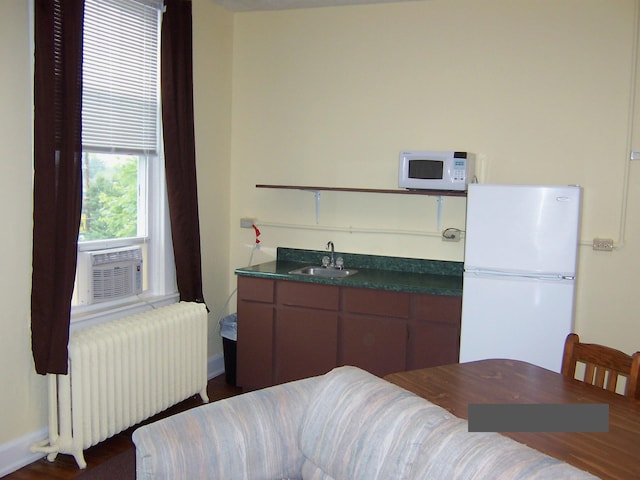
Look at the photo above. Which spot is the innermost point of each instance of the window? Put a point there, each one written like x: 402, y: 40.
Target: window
x: 124, y: 199
x: 113, y: 201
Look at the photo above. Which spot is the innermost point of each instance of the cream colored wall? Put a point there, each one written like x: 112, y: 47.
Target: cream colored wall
x: 23, y: 402
x: 212, y: 48
x: 540, y: 90
x: 318, y: 94
x: 21, y: 405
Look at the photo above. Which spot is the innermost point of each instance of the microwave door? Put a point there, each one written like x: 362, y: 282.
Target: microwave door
x: 426, y: 169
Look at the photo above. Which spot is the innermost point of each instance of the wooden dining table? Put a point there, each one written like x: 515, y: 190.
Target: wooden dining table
x: 614, y: 454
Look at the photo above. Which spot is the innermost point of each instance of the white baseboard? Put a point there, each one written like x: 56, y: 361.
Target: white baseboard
x: 16, y: 453
x: 215, y: 366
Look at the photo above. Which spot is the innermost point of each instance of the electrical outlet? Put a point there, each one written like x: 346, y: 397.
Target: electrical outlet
x: 603, y: 244
x: 247, y: 222
x: 451, y: 235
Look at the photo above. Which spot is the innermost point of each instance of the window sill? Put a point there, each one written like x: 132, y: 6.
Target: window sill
x: 89, y: 315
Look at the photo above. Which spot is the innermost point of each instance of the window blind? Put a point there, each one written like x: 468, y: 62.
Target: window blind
x: 120, y: 100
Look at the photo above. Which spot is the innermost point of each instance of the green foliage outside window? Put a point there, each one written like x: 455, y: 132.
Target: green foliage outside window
x: 110, y: 197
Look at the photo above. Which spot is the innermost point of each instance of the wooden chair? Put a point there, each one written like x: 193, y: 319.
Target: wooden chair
x: 603, y: 365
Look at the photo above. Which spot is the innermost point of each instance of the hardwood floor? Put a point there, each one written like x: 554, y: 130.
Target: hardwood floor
x: 65, y: 467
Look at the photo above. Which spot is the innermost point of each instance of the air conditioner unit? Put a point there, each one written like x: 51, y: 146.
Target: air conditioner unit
x: 104, y: 275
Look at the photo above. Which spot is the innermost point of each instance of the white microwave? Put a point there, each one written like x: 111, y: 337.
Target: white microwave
x: 434, y: 170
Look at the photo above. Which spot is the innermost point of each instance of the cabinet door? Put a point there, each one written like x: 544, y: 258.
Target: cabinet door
x: 255, y: 345
x: 433, y: 344
x: 375, y: 344
x: 254, y: 357
x: 306, y: 330
x: 374, y: 330
x: 434, y: 337
x: 305, y: 342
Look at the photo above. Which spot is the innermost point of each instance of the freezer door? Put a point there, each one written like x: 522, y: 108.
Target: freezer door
x: 522, y: 228
x: 520, y: 318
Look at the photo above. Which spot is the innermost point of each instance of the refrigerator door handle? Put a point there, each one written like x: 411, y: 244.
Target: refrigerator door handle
x: 499, y: 273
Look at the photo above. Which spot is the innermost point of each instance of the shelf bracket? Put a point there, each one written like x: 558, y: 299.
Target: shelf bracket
x: 316, y: 193
x: 440, y: 201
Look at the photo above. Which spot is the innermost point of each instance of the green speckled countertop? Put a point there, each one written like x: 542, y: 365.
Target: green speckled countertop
x: 384, y: 273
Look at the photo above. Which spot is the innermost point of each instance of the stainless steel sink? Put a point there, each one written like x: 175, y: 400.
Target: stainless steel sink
x: 325, y: 272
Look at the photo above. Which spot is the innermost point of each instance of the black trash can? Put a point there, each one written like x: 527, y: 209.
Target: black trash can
x: 229, y: 333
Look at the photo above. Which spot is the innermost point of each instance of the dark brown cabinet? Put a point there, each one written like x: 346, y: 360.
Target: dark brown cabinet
x: 289, y: 330
x: 305, y: 330
x: 257, y: 310
x: 435, y: 331
x: 376, y: 344
x: 375, y: 330
x: 306, y: 342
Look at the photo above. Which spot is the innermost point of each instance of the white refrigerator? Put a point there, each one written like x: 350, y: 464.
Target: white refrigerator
x: 521, y: 246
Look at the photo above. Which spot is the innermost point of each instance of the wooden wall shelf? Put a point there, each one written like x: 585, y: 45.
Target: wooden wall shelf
x: 316, y: 191
x: 437, y: 193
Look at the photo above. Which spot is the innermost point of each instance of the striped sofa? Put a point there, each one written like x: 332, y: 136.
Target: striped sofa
x: 345, y: 425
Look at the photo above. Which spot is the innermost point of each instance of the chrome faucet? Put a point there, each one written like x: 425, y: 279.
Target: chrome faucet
x: 332, y: 261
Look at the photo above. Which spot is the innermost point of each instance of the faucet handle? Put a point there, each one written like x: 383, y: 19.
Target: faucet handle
x: 325, y: 261
x: 340, y: 262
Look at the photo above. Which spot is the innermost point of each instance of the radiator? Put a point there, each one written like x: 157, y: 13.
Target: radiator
x: 125, y: 371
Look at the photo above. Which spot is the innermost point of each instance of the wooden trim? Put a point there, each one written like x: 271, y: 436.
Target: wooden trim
x: 444, y: 193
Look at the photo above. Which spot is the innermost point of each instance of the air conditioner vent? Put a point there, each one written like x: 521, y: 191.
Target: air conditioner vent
x: 116, y: 282
x: 109, y: 274
x: 116, y: 255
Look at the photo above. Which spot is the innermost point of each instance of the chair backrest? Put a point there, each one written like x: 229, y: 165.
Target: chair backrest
x: 603, y: 365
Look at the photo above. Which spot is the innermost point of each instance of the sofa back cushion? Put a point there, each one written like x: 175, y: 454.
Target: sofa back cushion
x: 360, y: 427
x: 253, y: 436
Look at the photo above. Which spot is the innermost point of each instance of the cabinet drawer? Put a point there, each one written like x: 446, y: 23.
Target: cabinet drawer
x: 323, y: 297
x: 438, y: 308
x: 256, y: 289
x: 376, y: 302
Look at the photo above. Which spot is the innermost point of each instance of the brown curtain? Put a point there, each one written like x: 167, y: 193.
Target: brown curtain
x: 57, y: 187
x: 179, y: 146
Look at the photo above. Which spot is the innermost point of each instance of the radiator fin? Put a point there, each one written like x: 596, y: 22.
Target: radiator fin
x: 125, y: 371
